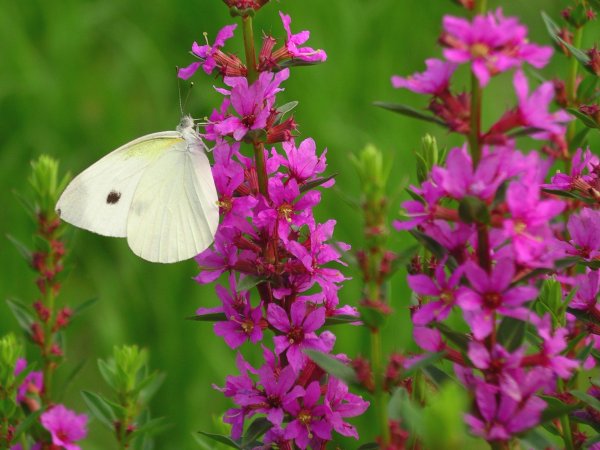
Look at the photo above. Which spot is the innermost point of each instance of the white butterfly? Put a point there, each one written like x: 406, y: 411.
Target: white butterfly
x: 157, y: 191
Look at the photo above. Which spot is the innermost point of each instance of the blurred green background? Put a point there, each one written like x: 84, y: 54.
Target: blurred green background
x: 79, y: 78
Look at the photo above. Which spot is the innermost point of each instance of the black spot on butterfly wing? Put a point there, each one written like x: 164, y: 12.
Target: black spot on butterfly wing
x: 113, y: 197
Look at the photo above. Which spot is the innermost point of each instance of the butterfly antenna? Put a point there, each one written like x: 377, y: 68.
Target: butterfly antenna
x: 187, y: 97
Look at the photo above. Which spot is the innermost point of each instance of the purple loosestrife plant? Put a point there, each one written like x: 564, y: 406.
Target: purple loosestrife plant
x: 268, y: 238
x: 511, y: 256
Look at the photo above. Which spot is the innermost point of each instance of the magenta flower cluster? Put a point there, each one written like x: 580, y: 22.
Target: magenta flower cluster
x: 268, y: 237
x: 500, y: 231
x: 65, y: 426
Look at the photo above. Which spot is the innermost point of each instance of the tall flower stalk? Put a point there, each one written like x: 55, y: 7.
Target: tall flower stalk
x: 499, y: 256
x: 268, y: 238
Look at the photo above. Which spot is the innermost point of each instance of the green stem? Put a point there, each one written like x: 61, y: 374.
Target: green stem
x: 572, y: 93
x: 47, y: 351
x: 565, y: 422
x: 261, y: 170
x: 249, y: 49
x: 475, y: 132
x: 380, y: 403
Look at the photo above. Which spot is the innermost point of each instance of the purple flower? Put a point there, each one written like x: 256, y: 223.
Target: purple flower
x: 491, y: 294
x: 577, y: 179
x: 584, y: 242
x: 252, y: 103
x: 33, y: 382
x: 287, y: 207
x: 302, y: 162
x: 319, y: 253
x: 243, y: 322
x: 500, y: 415
x: 419, y: 212
x: 341, y: 404
x: 278, y: 389
x: 298, y: 331
x: 553, y: 343
x: 492, y: 43
x: 213, y: 262
x: 529, y: 225
x: 533, y: 110
x: 293, y: 41
x: 586, y: 296
x: 65, y: 426
x: 459, y: 179
x: 441, y: 288
x: 433, y: 81
x: 207, y: 53
x: 308, y: 418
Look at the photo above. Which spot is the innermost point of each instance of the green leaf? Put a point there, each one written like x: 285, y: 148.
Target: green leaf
x: 26, y: 424
x: 524, y: 132
x: 556, y: 408
x: 222, y: 439
x: 371, y: 317
x: 429, y: 243
x: 100, y: 408
x: 587, y: 399
x: 248, y: 282
x: 438, y: 376
x: 79, y: 309
x: 316, y: 183
x: 149, y: 386
x: 579, y: 140
x: 536, y: 440
x: 511, y: 333
x: 584, y: 118
x: 410, y: 112
x: 369, y: 446
x: 108, y: 374
x: 23, y: 250
x: 333, y: 366
x: 256, y: 429
x: 554, y: 30
x: 286, y: 108
x: 152, y: 427
x: 22, y: 314
x: 341, y: 320
x: 473, y: 210
x: 461, y: 340
x: 587, y: 87
x: 212, y: 317
x: 403, y: 410
x: 427, y: 361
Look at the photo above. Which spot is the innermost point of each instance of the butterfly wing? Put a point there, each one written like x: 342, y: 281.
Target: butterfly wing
x: 100, y: 197
x: 174, y: 214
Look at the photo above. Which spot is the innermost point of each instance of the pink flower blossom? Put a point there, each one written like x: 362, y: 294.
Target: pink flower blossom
x: 65, y: 426
x: 433, y: 81
x: 207, y: 53
x: 293, y: 41
x: 490, y: 294
x: 492, y: 44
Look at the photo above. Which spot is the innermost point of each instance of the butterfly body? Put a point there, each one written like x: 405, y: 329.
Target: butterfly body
x: 157, y: 191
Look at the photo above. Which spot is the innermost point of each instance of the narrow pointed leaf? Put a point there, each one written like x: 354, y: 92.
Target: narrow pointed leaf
x: 342, y: 320
x: 222, y: 439
x: 587, y: 399
x: 21, y: 313
x: 23, y: 250
x: 100, y: 408
x: 430, y: 244
x: 333, y: 366
x: 316, y: 183
x: 411, y: 112
x: 584, y: 118
x: 256, y: 429
x: 427, y: 361
x: 214, y: 317
x: 556, y: 408
x: 511, y: 333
